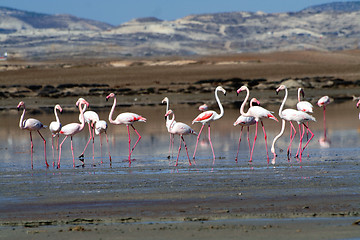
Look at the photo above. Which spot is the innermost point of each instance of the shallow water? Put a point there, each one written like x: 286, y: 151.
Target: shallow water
x: 153, y: 149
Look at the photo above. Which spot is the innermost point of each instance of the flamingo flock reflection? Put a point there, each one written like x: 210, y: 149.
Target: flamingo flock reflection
x: 255, y: 114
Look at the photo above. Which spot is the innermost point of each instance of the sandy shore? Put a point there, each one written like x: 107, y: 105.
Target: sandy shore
x: 312, y: 201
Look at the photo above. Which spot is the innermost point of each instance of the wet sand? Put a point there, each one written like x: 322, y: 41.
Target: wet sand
x: 316, y: 199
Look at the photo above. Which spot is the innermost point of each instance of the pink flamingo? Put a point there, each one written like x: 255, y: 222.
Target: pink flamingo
x: 203, y: 107
x: 73, y: 128
x: 55, y: 127
x: 207, y: 117
x: 323, y: 102
x: 101, y: 127
x: 180, y: 129
x: 90, y: 118
x: 31, y: 124
x: 168, y: 124
x: 126, y: 118
x: 245, y: 122
x: 258, y: 113
x: 292, y: 115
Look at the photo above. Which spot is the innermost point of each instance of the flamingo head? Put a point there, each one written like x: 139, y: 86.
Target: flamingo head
x: 111, y: 95
x: 169, y: 112
x: 300, y: 90
x: 165, y: 100
x: 20, y: 104
x: 254, y: 100
x: 58, y: 107
x: 82, y: 101
x: 219, y: 88
x: 243, y: 88
x: 282, y: 87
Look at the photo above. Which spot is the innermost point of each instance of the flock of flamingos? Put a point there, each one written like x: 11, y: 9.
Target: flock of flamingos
x: 254, y: 115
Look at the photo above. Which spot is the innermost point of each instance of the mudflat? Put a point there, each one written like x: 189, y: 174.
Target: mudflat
x: 317, y: 199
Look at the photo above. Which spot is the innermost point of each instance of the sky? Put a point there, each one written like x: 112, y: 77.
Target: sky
x: 116, y: 12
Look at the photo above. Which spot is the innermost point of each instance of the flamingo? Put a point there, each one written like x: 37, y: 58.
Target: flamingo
x: 101, y: 127
x: 304, y: 106
x: 258, y: 113
x: 73, y: 128
x: 203, y: 107
x: 90, y: 118
x: 126, y: 118
x: 55, y: 127
x: 180, y: 129
x: 245, y: 122
x: 292, y: 115
x: 31, y: 124
x: 323, y: 102
x: 168, y: 125
x: 207, y: 117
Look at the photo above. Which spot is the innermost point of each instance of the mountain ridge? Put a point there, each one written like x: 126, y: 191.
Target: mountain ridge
x: 43, y: 36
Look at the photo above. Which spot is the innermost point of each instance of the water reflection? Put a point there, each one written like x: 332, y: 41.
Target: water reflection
x: 152, y: 150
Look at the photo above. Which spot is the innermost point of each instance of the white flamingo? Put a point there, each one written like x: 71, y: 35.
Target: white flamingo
x: 55, y: 127
x: 127, y: 119
x: 323, y: 102
x: 245, y: 122
x: 180, y: 129
x: 31, y: 124
x: 207, y: 117
x: 258, y: 113
x: 73, y: 128
x: 168, y: 125
x: 292, y: 115
x: 101, y: 127
x: 91, y: 118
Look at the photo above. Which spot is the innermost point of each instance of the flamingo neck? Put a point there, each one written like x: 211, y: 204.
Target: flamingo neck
x: 56, y: 116
x: 167, y: 109
x: 172, y: 120
x: 299, y: 92
x: 277, y: 137
x: 21, y: 123
x: 283, y: 103
x: 81, y: 117
x: 112, y: 111
x: 220, y: 106
x: 243, y: 104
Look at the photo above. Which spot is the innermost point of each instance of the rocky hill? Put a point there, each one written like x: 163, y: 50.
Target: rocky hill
x: 333, y: 26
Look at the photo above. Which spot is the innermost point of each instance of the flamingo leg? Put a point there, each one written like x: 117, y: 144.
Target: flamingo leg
x: 292, y: 128
x: 248, y: 138
x: 107, y: 140
x: 187, y: 153
x: 265, y: 138
x: 93, y: 143
x: 129, y: 144
x: 72, y: 150
x: 52, y: 148
x: 299, y: 152
x: 252, y: 151
x: 178, y: 152
x: 58, y: 164
x: 47, y: 165
x: 312, y: 135
x: 101, y: 148
x: 139, y: 137
x: 31, y: 150
x: 237, y: 154
x: 197, y: 140
x: 82, y: 154
x: 212, y: 149
x: 324, y: 124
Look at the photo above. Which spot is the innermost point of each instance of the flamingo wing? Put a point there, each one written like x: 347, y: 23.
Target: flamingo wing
x: 304, y: 106
x: 129, y: 118
x: 204, y: 117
